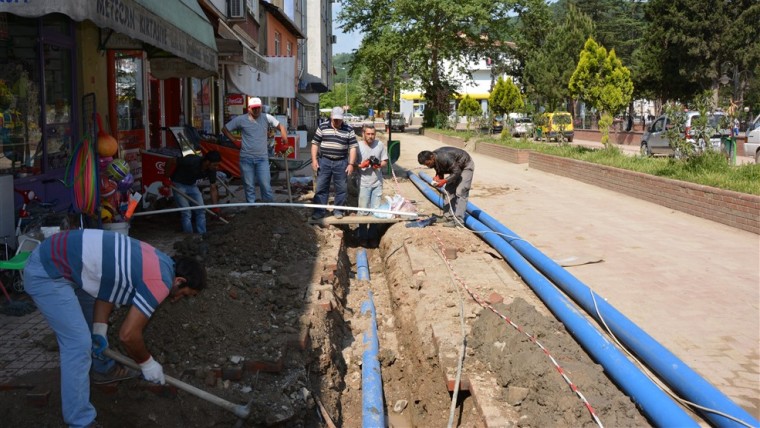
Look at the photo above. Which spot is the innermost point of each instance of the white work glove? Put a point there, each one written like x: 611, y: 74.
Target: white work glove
x: 152, y: 371
x: 99, y: 339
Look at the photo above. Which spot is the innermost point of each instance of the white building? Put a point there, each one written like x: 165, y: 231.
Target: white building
x: 478, y: 86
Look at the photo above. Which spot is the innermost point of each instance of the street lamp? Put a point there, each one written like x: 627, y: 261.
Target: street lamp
x: 391, y: 73
x: 345, y: 106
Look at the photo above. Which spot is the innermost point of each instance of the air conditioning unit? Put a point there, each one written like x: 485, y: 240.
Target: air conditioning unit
x: 333, y: 39
x: 237, y: 9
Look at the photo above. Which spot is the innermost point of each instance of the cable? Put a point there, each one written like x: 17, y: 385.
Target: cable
x: 657, y: 380
x: 460, y: 361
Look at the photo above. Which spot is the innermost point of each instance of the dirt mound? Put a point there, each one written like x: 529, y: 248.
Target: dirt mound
x: 531, y: 382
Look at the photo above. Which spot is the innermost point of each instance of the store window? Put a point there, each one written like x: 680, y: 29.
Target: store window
x: 128, y: 106
x: 200, y: 102
x: 36, y: 134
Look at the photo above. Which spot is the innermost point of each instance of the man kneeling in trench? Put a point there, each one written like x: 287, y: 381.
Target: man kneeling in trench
x: 75, y: 278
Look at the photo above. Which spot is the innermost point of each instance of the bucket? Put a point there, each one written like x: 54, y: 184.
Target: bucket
x: 122, y: 227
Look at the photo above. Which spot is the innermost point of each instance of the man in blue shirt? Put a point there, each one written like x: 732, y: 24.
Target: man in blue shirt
x: 254, y: 148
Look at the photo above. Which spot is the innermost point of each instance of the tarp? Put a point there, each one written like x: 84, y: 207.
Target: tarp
x: 279, y: 81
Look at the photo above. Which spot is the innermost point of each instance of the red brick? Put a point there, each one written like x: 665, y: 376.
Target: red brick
x: 325, y: 304
x: 300, y: 341
x: 233, y: 294
x: 166, y: 391
x: 232, y: 373
x: 495, y: 298
x: 254, y: 366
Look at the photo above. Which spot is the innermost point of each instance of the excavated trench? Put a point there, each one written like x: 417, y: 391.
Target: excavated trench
x: 281, y: 326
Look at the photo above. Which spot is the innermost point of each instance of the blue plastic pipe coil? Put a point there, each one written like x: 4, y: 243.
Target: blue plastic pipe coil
x: 674, y: 372
x: 655, y: 404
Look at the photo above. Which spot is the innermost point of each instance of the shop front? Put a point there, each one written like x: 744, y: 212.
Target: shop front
x: 141, y: 65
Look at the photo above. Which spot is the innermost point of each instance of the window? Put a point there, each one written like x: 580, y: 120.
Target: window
x: 36, y: 133
x: 200, y: 100
x: 277, y: 43
x: 289, y: 49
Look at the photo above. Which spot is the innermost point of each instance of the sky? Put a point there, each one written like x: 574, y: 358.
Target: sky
x: 346, y: 42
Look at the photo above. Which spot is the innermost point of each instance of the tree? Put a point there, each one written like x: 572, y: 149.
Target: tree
x: 603, y: 82
x: 470, y: 108
x: 505, y: 98
x: 548, y: 69
x: 428, y: 39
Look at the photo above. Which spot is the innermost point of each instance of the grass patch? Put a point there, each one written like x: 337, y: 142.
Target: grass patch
x: 709, y: 169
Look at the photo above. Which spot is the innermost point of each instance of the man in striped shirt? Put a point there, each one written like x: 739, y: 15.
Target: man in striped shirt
x: 333, y: 154
x: 76, y: 277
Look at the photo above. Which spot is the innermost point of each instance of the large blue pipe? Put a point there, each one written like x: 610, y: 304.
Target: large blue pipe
x: 373, y: 412
x: 674, y: 372
x: 362, y: 267
x: 655, y: 404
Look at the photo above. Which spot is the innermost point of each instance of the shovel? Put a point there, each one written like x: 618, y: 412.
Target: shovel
x: 186, y: 196
x: 237, y: 409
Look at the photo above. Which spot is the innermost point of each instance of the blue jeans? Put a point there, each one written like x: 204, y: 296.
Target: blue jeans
x: 57, y: 301
x: 193, y: 192
x: 331, y: 171
x: 369, y: 197
x: 255, y: 170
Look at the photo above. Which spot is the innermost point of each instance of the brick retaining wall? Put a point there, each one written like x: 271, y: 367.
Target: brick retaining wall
x: 739, y: 210
x: 734, y: 209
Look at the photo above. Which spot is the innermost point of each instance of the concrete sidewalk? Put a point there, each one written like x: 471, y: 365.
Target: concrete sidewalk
x: 692, y: 284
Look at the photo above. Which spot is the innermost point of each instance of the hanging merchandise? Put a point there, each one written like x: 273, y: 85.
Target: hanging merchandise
x: 82, y: 177
x: 117, y: 170
x: 106, y: 143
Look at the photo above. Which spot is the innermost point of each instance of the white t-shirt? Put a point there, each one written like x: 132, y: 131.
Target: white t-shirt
x: 371, y: 177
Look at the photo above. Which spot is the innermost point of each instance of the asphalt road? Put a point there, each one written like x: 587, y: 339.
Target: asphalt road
x: 692, y: 284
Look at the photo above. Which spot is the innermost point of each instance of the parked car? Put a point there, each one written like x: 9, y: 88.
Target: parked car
x: 498, y: 124
x: 523, y: 126
x: 655, y: 139
x: 554, y: 123
x: 397, y: 122
x: 752, y: 146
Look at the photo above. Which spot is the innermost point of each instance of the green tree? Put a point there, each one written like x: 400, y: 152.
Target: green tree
x: 505, y: 98
x: 470, y: 108
x: 427, y: 39
x: 689, y: 43
x: 549, y: 68
x: 603, y: 82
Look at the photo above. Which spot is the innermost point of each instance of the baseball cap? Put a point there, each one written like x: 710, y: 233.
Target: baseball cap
x: 337, y: 113
x: 254, y: 102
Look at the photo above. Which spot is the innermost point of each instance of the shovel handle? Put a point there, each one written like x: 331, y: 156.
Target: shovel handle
x: 238, y: 409
x: 186, y: 196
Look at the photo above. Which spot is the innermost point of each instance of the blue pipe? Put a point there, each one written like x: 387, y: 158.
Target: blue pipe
x: 674, y: 372
x: 362, y: 267
x: 373, y: 412
x: 655, y: 404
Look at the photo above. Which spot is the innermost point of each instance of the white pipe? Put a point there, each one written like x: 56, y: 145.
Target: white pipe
x: 411, y: 216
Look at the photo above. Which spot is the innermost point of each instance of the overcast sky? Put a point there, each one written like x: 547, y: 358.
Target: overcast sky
x: 346, y: 42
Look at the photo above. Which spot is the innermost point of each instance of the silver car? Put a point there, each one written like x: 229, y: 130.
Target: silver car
x: 655, y: 139
x: 752, y: 146
x: 523, y: 127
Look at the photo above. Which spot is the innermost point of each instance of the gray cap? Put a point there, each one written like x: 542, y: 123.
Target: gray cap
x: 337, y: 113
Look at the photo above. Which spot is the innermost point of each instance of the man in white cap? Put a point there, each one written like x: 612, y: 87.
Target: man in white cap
x: 254, y: 153
x: 333, y: 154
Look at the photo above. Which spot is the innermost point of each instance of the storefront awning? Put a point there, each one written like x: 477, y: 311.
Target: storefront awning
x: 178, y: 27
x: 234, y: 50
